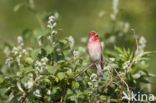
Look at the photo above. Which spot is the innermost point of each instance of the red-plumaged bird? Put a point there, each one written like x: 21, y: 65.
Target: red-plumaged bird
x: 95, y: 51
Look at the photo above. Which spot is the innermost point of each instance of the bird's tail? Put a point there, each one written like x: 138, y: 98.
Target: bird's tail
x: 99, y: 70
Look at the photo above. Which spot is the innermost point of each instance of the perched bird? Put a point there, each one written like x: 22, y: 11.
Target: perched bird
x: 95, y: 51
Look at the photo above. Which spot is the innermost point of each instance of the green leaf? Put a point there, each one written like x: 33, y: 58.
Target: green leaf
x: 26, y: 69
x: 34, y: 53
x: 53, y: 69
x: 102, y: 98
x: 64, y: 41
x: 49, y: 49
x: 70, y: 73
x: 29, y: 60
x: 19, y: 74
x: 61, y: 75
x: 75, y: 84
x: 18, y: 6
x: 73, y: 98
x: 39, y: 32
x: 1, y: 79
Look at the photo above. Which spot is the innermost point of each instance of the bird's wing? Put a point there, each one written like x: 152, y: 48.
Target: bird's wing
x: 102, y: 60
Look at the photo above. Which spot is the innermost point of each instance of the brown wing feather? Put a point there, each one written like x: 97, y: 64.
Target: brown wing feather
x: 102, y: 61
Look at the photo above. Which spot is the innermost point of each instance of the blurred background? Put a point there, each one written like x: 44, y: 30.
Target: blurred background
x: 78, y: 17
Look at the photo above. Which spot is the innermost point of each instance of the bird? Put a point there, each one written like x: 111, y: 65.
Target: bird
x: 95, y: 51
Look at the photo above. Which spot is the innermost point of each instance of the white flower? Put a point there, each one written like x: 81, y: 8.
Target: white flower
x: 25, y: 51
x: 45, y: 59
x: 76, y: 54
x: 50, y: 26
x: 18, y: 59
x: 126, y: 27
x: 112, y: 59
x: 41, y: 65
x: 83, y: 39
x: 93, y: 77
x: 19, y: 39
x: 115, y: 6
x: 141, y: 45
x: 15, y: 50
x: 29, y: 83
x: 51, y: 22
x: 37, y: 93
x: 89, y: 83
x: 39, y: 40
x: 49, y: 92
x: 38, y: 63
x: 9, y: 61
x: 115, y: 9
x: 108, y: 67
x: 126, y: 64
x: 71, y: 40
x: 53, y: 32
x: 51, y: 19
x: 142, y: 42
x: 7, y: 51
x: 136, y: 76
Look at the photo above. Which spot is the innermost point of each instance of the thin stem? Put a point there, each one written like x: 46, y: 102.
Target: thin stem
x: 33, y: 7
x: 83, y: 71
x: 122, y: 88
x: 123, y: 82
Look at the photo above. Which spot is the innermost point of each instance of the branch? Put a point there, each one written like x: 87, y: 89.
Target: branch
x: 122, y: 88
x: 123, y: 82
x: 62, y: 96
x: 119, y: 77
x: 83, y: 71
x: 25, y: 96
x: 133, y: 61
x: 110, y: 82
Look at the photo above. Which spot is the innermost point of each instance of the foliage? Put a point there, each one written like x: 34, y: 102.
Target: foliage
x: 40, y: 67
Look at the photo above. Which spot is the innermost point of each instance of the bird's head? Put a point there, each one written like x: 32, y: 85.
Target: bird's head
x: 93, y: 35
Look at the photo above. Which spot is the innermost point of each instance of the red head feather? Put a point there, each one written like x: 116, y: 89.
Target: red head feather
x: 94, y: 34
x: 91, y: 33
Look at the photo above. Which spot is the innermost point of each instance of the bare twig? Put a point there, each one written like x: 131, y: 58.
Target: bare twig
x: 133, y: 61
x: 122, y: 88
x: 108, y: 84
x: 123, y: 82
x: 83, y: 71
x: 62, y: 96
x: 25, y: 96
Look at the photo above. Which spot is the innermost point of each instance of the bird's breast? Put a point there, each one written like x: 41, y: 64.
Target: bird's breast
x: 94, y: 49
